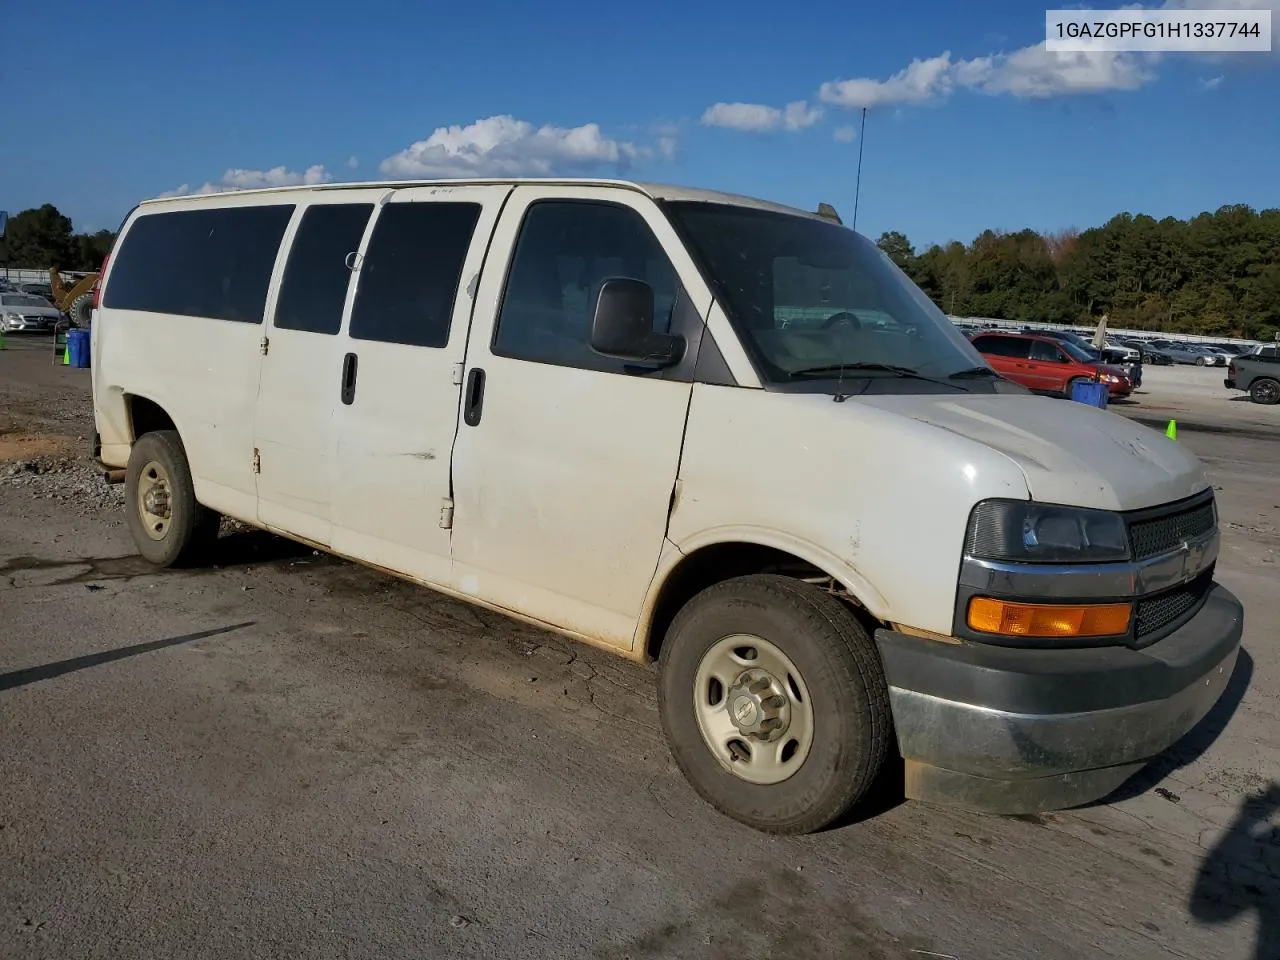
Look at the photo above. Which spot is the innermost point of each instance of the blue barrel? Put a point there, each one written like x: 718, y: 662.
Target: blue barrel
x: 1082, y: 391
x: 78, y: 347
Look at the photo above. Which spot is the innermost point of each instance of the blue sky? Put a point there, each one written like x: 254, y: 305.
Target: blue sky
x: 141, y: 98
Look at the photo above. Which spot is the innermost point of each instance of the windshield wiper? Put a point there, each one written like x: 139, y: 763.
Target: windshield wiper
x: 838, y: 369
x: 972, y: 373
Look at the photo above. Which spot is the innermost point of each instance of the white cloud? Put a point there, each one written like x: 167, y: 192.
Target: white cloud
x: 1211, y: 83
x: 1036, y: 72
x: 353, y: 162
x: 920, y: 82
x: 1032, y: 72
x: 846, y: 134
x: 502, y: 146
x: 238, y: 178
x: 759, y: 118
x: 275, y: 177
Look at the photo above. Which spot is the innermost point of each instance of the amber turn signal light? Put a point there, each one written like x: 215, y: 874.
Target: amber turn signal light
x: 1048, y: 620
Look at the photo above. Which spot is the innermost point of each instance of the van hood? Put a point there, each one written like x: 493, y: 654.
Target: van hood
x: 1069, y: 453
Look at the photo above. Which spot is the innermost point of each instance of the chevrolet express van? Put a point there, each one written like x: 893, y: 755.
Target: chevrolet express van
x: 719, y: 433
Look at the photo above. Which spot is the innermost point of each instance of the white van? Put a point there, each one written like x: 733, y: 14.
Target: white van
x: 720, y: 433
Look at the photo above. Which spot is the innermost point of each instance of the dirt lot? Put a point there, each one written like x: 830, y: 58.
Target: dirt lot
x: 288, y: 755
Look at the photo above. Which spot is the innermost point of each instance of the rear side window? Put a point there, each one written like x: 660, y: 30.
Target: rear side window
x: 409, y: 277
x: 1001, y: 347
x: 1045, y: 351
x: 316, y: 277
x: 213, y: 263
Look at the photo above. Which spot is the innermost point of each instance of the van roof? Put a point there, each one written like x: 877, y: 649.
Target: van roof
x: 657, y: 191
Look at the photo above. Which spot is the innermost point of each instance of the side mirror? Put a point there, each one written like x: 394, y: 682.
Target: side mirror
x: 622, y: 325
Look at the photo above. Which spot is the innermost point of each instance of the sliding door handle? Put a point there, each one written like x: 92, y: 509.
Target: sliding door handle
x: 349, y: 363
x: 473, y: 403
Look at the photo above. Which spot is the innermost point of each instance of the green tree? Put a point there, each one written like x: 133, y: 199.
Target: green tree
x: 39, y: 238
x: 897, y: 247
x: 1215, y: 274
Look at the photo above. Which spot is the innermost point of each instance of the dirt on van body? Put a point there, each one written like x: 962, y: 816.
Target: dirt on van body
x: 281, y: 753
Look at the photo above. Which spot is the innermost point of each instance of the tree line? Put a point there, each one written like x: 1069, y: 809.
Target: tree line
x: 1217, y: 274
x: 42, y: 237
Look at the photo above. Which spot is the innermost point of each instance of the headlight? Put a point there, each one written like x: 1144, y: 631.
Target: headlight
x: 1024, y: 531
x: 1110, y: 378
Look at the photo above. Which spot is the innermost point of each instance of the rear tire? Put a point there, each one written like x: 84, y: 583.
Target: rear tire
x: 1265, y: 391
x: 809, y: 760
x: 169, y: 527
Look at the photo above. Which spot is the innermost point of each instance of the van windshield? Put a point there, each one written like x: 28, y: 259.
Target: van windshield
x: 808, y: 296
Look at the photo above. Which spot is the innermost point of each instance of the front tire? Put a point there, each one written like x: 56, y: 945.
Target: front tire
x: 169, y: 527
x: 80, y: 311
x: 774, y: 702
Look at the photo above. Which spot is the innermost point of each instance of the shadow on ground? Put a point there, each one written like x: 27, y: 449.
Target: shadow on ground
x: 1242, y: 873
x: 1196, y: 742
x: 48, y: 671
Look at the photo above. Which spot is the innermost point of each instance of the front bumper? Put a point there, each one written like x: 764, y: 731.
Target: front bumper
x: 1016, y: 730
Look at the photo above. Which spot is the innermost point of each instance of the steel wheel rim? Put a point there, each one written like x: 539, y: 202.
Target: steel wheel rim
x: 1267, y: 392
x: 753, y: 709
x: 155, y: 500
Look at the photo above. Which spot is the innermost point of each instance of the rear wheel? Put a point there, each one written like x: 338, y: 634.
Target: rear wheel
x: 168, y: 526
x: 774, y: 702
x: 1265, y: 390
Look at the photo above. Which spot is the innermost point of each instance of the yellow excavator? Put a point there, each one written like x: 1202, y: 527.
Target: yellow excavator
x: 74, y: 297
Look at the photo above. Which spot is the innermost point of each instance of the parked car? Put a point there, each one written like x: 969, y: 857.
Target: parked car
x: 1150, y: 354
x: 1188, y: 353
x: 584, y: 409
x: 1258, y: 373
x: 1047, y: 365
x: 25, y: 313
x: 37, y: 290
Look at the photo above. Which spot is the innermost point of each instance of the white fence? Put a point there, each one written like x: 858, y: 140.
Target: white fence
x: 1087, y: 332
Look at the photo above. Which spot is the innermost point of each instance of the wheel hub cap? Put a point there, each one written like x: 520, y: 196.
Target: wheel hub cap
x: 753, y: 709
x: 758, y: 706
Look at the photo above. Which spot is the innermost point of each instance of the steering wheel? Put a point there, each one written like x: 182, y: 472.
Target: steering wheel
x: 844, y: 316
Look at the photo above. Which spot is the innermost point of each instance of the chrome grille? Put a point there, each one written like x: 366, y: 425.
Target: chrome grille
x: 1152, y: 536
x: 1169, y: 608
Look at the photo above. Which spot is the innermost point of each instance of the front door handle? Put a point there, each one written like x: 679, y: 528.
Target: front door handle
x: 349, y: 363
x: 475, y: 397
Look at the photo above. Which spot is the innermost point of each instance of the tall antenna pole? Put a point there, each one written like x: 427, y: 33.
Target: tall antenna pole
x: 857, y: 190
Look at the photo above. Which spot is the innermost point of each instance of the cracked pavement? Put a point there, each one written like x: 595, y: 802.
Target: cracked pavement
x: 284, y: 754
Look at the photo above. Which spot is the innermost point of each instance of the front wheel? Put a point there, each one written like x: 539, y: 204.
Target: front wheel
x: 1265, y: 390
x: 81, y: 311
x: 169, y: 527
x: 1201, y: 361
x: 774, y: 702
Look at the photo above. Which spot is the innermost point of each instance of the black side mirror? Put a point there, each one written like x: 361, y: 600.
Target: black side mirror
x: 622, y: 325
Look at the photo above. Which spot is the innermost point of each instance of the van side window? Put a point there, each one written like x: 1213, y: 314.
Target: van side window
x: 566, y: 248
x: 213, y: 263
x: 1002, y: 347
x: 316, y: 277
x: 1045, y: 352
x: 409, y: 277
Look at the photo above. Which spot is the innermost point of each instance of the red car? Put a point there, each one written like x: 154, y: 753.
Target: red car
x: 1046, y: 365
